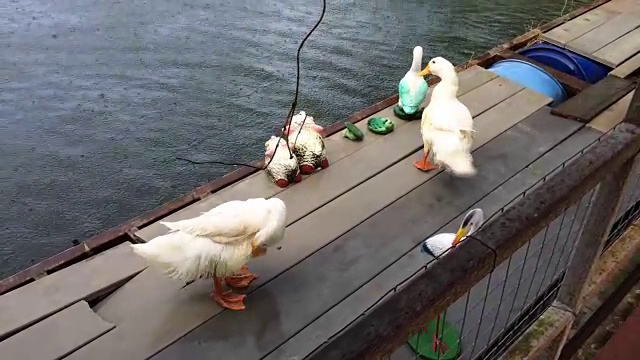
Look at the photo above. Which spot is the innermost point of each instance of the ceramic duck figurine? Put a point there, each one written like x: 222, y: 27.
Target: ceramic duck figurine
x: 412, y: 89
x: 283, y: 169
x: 217, y: 244
x: 307, y: 142
x: 439, y: 243
x: 447, y: 125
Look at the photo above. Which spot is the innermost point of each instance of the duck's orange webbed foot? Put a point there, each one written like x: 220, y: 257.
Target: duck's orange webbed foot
x: 424, y: 164
x: 242, y: 279
x: 227, y: 299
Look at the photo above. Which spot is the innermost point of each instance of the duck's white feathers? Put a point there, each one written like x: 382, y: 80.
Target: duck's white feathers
x: 218, y: 242
x: 447, y: 128
x: 439, y: 243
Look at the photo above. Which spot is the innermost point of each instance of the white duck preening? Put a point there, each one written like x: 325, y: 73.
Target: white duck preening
x: 439, y: 243
x: 447, y: 125
x: 218, y: 244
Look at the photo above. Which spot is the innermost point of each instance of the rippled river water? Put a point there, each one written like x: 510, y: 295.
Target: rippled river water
x: 97, y: 97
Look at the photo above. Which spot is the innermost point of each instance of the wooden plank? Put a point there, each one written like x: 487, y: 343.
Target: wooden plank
x: 83, y: 281
x: 605, y: 34
x: 624, y: 6
x: 56, y: 336
x: 259, y: 186
x: 588, y: 104
x: 579, y: 26
x: 612, y: 116
x: 171, y: 316
x: 627, y: 68
x: 303, y: 293
x: 620, y: 50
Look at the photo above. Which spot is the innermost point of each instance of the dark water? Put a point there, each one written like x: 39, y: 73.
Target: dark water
x: 97, y: 97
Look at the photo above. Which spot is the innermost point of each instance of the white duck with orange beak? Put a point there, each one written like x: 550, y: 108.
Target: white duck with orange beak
x: 446, y: 125
x: 218, y: 244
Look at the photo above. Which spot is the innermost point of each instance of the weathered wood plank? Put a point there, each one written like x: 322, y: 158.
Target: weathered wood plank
x: 171, y: 316
x: 26, y: 305
x: 627, y: 68
x: 605, y: 34
x: 259, y: 186
x: 623, y: 6
x: 619, y: 50
x: 303, y: 293
x: 612, y: 116
x: 579, y: 26
x: 56, y: 336
x: 588, y: 104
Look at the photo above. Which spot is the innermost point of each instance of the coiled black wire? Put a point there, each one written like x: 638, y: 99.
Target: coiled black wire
x: 289, y: 117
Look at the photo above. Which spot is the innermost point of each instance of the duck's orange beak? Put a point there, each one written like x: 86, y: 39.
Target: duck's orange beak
x: 257, y: 251
x: 459, y: 235
x: 425, y: 72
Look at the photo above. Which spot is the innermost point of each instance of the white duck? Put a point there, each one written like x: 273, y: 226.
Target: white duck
x: 439, y: 243
x: 447, y: 125
x: 217, y: 244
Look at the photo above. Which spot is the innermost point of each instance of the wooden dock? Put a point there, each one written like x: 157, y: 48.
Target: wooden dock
x: 353, y: 228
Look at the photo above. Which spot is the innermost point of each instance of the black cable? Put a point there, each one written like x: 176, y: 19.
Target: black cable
x: 287, y: 123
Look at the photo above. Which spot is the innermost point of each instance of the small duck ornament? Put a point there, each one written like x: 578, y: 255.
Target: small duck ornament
x: 283, y: 170
x: 306, y: 139
x: 446, y: 125
x: 439, y: 243
x: 412, y: 90
x: 218, y: 244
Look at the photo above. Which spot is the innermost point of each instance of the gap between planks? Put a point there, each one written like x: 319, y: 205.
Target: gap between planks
x: 580, y: 25
x: 179, y: 312
x: 612, y: 116
x: 56, y: 336
x: 627, y: 68
x: 605, y: 34
x: 33, y: 302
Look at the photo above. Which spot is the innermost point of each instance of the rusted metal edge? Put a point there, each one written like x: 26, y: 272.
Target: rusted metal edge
x: 381, y: 330
x: 575, y: 342
x: 121, y: 233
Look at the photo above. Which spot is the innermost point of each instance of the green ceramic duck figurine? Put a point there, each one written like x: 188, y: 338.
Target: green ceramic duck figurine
x: 412, y: 90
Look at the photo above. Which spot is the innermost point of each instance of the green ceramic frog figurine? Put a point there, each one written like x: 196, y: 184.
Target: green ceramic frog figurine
x: 380, y: 125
